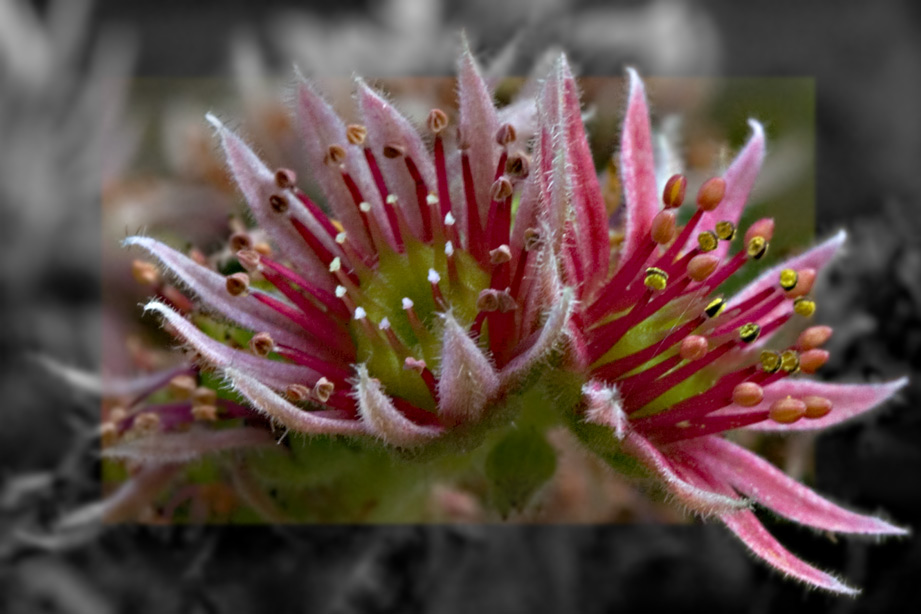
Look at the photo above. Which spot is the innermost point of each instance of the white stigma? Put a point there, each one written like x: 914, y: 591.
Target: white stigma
x: 391, y: 199
x: 340, y: 238
x: 449, y: 249
x: 385, y: 324
x: 335, y: 265
x: 364, y: 206
x: 407, y: 303
x: 340, y: 291
x: 431, y: 199
x: 434, y: 277
x: 449, y: 219
x: 360, y: 313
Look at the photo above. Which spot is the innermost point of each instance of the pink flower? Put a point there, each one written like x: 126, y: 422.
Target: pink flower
x: 458, y: 289
x: 372, y: 313
x: 673, y: 365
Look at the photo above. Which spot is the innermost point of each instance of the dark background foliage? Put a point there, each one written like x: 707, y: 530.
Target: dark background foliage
x: 865, y: 58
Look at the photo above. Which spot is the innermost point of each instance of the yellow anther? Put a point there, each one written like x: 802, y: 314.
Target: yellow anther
x: 715, y: 307
x: 673, y: 194
x: 757, y: 247
x: 656, y: 279
x: 726, y: 230
x: 749, y: 332
x: 707, y: 241
x: 804, y: 307
x: 771, y: 361
x: 789, y: 361
x: 788, y: 279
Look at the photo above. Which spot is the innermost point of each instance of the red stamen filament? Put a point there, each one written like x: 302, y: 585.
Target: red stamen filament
x: 339, y: 344
x: 475, y: 242
x: 384, y: 192
x: 421, y: 195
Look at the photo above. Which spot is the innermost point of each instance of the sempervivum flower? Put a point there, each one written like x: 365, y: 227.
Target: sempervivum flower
x: 373, y: 313
x: 673, y: 363
x: 458, y: 300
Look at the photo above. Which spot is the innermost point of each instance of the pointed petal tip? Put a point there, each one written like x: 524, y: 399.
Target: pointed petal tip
x: 157, y: 306
x: 636, y: 82
x: 757, y: 128
x: 215, y: 122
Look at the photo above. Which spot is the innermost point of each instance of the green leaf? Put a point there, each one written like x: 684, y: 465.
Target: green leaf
x: 517, y: 467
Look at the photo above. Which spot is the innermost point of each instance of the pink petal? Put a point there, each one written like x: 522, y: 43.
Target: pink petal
x: 753, y: 534
x: 320, y: 127
x: 588, y: 203
x: 740, y: 178
x: 542, y: 284
x: 848, y: 401
x: 637, y: 167
x: 551, y: 334
x: 258, y: 184
x: 467, y: 379
x: 701, y: 500
x: 749, y: 529
x: 386, y: 126
x: 276, y: 374
x: 211, y: 288
x: 478, y: 126
x: 275, y: 407
x: 185, y: 447
x: 522, y: 114
x: 383, y: 419
x: 128, y: 500
x: 604, y: 407
x: 111, y: 386
x: 756, y: 478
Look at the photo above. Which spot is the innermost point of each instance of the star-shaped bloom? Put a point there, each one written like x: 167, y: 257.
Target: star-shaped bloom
x: 673, y: 364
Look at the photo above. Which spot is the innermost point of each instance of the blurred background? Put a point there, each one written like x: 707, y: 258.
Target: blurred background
x: 101, y: 136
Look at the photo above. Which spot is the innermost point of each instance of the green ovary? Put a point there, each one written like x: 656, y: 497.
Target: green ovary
x: 398, y: 276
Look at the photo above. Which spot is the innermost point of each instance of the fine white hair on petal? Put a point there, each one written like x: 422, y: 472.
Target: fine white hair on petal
x: 187, y: 446
x: 467, y: 380
x: 383, y: 419
x: 552, y: 332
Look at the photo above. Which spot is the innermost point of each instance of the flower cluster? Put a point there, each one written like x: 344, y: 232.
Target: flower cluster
x: 461, y: 292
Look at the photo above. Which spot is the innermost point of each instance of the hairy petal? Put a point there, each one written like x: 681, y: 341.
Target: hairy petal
x: 276, y: 374
x: 749, y: 529
x: 756, y: 478
x: 187, y: 446
x: 321, y: 127
x: 478, y: 126
x: 701, y: 500
x: 587, y: 201
x: 125, y: 502
x: 603, y: 406
x: 383, y: 419
x: 108, y: 386
x: 550, y: 335
x: 386, y: 126
x: 740, y: 178
x: 211, y: 289
x: 467, y: 378
x: 274, y: 406
x: 848, y: 401
x: 257, y: 183
x: 637, y: 168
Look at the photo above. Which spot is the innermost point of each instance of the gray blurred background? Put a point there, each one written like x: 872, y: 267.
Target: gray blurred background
x: 77, y: 120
